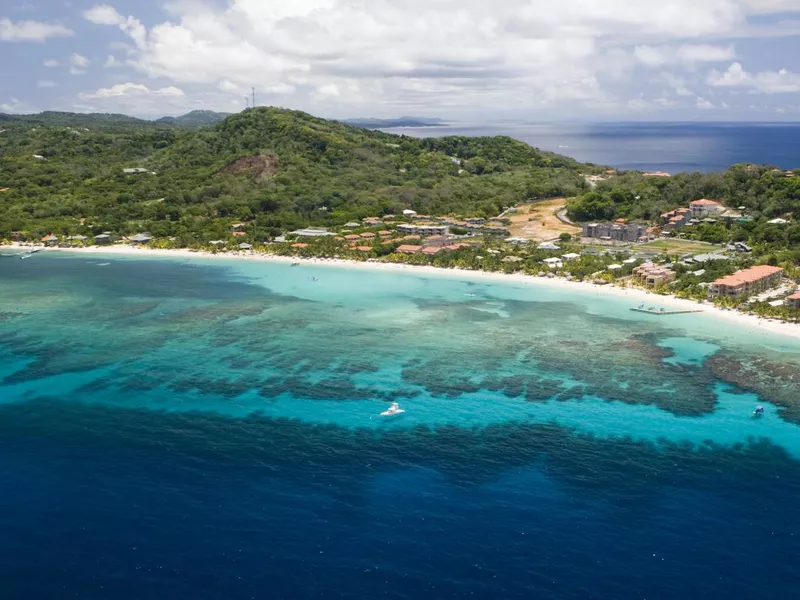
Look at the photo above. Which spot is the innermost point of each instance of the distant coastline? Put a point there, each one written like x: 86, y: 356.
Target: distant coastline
x: 399, y: 122
x: 636, y: 295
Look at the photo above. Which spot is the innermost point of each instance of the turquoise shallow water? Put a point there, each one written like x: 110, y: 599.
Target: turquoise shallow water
x: 212, y: 427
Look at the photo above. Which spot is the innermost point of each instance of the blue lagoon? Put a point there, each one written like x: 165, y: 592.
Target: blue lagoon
x: 211, y: 428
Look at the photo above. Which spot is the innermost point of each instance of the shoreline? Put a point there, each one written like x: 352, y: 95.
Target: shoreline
x: 634, y: 294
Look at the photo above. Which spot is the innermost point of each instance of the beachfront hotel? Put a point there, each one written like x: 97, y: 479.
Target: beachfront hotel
x: 747, y: 282
x: 652, y: 274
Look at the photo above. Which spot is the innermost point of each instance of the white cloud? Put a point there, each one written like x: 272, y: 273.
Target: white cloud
x: 30, y: 31
x: 103, y: 14
x: 228, y: 86
x: 14, y: 105
x: 130, y: 90
x: 111, y: 62
x: 350, y: 56
x: 677, y: 84
x: 78, y: 64
x: 46, y: 83
x: 763, y: 82
x: 703, y: 103
x: 687, y: 54
x: 50, y: 63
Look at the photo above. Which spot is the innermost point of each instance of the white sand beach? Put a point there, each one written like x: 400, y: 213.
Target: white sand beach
x: 637, y: 296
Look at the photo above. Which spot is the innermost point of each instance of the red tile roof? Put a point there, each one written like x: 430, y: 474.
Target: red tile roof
x: 750, y: 275
x: 299, y: 245
x: 364, y: 248
x: 795, y: 296
x: 704, y: 202
x: 408, y: 249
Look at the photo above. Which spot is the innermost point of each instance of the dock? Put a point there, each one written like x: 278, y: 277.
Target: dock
x: 652, y: 310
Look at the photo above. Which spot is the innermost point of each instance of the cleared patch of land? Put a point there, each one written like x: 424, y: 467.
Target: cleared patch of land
x: 537, y: 221
x: 679, y: 247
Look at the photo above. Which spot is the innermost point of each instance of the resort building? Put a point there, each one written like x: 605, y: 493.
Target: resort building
x: 747, y: 282
x: 676, y: 218
x: 312, y: 232
x: 50, y: 240
x: 651, y: 274
x: 548, y: 246
x: 424, y: 229
x: 408, y: 249
x: 793, y: 301
x: 553, y: 263
x: 703, y: 208
x: 622, y: 232
x: 140, y: 238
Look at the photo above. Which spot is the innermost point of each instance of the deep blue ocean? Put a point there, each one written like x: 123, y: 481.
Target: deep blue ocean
x: 670, y: 147
x: 209, y: 428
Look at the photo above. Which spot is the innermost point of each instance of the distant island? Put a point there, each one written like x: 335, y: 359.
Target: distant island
x: 369, y: 123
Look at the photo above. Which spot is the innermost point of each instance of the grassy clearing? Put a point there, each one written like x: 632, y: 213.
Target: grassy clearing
x: 679, y: 247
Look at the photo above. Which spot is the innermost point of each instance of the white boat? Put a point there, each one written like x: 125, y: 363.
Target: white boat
x: 394, y: 409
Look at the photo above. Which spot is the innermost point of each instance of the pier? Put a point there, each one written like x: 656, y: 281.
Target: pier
x: 652, y: 310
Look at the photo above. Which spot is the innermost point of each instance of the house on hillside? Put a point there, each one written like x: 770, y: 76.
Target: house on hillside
x: 50, y: 240
x: 704, y: 208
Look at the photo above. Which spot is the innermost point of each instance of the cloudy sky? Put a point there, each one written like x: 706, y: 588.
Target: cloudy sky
x: 463, y: 59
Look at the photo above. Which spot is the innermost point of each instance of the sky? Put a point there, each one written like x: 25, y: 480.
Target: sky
x: 467, y: 60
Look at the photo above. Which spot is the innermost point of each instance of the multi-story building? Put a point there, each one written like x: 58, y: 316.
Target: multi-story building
x: 676, y: 218
x: 704, y: 208
x: 652, y: 274
x: 424, y: 229
x: 622, y: 232
x: 747, y: 282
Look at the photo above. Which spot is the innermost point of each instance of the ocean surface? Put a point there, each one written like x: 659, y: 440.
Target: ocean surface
x: 210, y: 429
x: 670, y: 147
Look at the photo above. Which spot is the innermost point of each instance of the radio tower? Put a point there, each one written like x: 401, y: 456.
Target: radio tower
x: 254, y: 97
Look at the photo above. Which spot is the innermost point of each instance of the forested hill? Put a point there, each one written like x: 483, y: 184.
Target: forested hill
x: 274, y: 168
x: 195, y: 118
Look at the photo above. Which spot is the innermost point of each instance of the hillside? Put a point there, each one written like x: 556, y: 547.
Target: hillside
x: 68, y: 119
x: 278, y: 169
x: 196, y: 118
